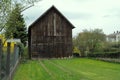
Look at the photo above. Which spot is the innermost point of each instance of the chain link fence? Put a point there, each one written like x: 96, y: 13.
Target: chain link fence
x: 9, y: 58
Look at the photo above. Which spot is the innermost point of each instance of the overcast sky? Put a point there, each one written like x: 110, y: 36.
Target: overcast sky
x: 83, y: 14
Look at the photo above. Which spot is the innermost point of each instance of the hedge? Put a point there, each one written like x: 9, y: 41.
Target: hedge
x: 105, y: 54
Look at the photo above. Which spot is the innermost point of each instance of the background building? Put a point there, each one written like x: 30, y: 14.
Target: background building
x: 115, y: 37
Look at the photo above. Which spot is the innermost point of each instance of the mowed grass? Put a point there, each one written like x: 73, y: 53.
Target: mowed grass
x: 67, y: 69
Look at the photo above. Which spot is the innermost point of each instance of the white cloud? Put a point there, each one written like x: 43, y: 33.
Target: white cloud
x: 83, y: 14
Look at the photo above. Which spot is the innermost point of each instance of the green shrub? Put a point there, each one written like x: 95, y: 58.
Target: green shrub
x: 76, y: 52
x: 76, y: 55
x: 21, y: 48
x: 25, y: 54
x: 115, y: 54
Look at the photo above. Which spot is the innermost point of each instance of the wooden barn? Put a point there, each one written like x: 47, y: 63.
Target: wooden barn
x: 50, y: 36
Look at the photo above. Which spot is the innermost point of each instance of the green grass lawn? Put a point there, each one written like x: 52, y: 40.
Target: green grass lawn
x: 67, y: 69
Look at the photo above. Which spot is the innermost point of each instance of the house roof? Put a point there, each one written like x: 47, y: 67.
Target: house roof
x: 113, y: 35
x: 54, y: 8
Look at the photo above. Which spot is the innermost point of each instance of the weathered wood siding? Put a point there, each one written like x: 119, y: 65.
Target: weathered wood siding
x: 51, y: 36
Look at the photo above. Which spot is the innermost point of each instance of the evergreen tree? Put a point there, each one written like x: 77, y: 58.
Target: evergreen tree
x: 15, y: 26
x: 6, y: 6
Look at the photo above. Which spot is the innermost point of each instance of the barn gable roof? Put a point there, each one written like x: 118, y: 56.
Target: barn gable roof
x: 51, y: 8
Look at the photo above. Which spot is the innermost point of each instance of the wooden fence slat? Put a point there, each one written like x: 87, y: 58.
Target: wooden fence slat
x: 8, y: 59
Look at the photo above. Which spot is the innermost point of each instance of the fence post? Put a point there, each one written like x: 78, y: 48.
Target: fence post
x: 8, y: 59
x: 15, y: 50
x: 0, y: 57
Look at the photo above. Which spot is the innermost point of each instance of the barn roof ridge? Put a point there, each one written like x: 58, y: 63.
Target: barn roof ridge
x: 52, y: 7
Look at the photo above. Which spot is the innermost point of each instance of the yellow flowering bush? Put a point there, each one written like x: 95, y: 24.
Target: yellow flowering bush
x: 4, y: 44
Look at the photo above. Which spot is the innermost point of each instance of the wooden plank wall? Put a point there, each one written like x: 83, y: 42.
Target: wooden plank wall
x: 51, y: 37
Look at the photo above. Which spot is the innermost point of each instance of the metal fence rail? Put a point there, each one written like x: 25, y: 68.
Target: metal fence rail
x: 9, y: 58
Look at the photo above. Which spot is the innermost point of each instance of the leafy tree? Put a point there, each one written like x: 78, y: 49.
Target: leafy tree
x: 89, y: 41
x: 6, y: 6
x: 4, y: 11
x: 15, y: 26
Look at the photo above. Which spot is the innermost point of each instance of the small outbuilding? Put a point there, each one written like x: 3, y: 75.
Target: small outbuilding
x: 50, y: 36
